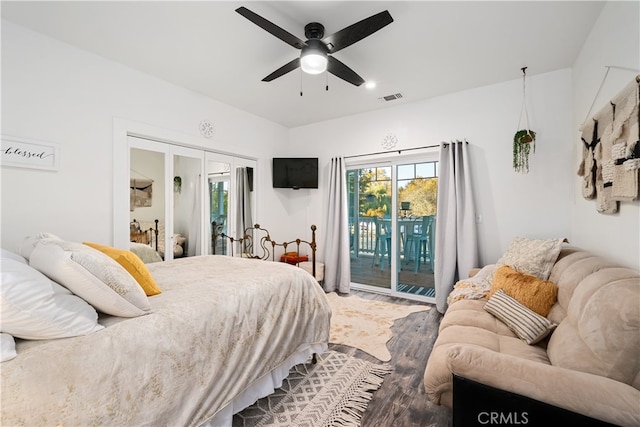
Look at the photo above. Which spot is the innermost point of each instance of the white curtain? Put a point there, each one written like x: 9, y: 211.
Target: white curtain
x: 337, y: 269
x: 456, y: 250
x: 243, y: 202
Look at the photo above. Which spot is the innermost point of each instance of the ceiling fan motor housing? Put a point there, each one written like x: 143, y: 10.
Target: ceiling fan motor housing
x: 314, y: 30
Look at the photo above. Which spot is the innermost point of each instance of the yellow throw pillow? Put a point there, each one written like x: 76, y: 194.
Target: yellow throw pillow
x: 536, y: 294
x: 133, y: 264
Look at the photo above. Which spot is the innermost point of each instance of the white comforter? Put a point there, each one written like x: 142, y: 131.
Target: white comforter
x: 219, y: 324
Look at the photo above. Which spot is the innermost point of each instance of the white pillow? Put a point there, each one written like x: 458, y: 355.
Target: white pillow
x: 145, y: 252
x: 34, y: 307
x: 535, y: 257
x: 30, y: 242
x: 91, y: 275
x: 7, y: 347
x: 6, y: 254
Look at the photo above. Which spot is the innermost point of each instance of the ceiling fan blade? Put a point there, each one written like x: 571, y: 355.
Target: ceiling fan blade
x: 290, y: 66
x: 338, y: 69
x: 272, y: 28
x: 356, y: 32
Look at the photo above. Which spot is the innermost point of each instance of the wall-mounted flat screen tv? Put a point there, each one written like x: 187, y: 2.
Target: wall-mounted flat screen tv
x: 295, y: 172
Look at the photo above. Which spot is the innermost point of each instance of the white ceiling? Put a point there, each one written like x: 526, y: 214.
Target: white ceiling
x: 431, y: 48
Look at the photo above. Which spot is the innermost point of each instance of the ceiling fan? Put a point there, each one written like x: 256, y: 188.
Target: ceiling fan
x: 316, y: 53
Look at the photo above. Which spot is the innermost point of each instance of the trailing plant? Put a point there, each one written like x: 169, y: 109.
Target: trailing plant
x: 523, y: 141
x: 177, y: 184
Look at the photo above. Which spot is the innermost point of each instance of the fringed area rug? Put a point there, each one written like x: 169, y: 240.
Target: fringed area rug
x: 333, y: 392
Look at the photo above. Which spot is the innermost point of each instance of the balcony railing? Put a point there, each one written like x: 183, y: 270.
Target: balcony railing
x: 362, y: 235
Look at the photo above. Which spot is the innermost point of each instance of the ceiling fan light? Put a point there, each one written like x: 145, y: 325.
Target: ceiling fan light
x: 313, y: 63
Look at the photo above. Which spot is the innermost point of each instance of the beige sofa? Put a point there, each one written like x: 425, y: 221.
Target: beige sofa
x: 590, y: 363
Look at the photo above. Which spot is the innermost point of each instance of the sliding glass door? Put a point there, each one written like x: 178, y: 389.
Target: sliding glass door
x: 417, y: 185
x: 370, y: 208
x: 392, y: 215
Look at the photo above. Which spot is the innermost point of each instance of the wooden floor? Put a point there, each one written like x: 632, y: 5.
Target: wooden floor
x: 401, y: 401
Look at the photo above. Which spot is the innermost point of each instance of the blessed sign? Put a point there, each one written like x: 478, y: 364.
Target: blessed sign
x: 29, y: 154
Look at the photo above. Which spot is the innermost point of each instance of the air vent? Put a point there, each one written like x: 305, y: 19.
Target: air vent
x: 391, y: 97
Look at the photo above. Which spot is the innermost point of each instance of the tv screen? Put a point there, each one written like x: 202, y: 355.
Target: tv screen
x: 295, y: 172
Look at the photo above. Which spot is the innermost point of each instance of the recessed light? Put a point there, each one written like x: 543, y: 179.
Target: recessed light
x: 370, y: 84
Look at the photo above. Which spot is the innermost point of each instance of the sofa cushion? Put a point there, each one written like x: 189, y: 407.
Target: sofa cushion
x: 437, y: 376
x: 601, y: 332
x: 568, y: 272
x: 536, y: 294
x: 472, y: 313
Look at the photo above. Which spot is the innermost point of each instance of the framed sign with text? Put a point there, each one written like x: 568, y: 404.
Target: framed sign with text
x: 24, y: 153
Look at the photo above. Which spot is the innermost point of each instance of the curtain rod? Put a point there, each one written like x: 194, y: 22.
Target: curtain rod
x: 399, y: 151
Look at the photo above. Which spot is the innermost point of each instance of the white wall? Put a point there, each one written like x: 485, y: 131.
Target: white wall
x: 614, y: 41
x: 535, y: 205
x: 54, y: 92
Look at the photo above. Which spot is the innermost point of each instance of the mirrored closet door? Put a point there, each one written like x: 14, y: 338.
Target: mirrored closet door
x: 188, y: 194
x: 166, y: 194
x: 177, y: 194
x: 218, y: 198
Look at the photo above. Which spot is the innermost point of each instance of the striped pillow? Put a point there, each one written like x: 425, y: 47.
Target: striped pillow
x: 525, y: 323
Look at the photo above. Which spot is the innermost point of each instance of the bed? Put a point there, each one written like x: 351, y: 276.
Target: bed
x: 256, y: 242
x: 223, y: 332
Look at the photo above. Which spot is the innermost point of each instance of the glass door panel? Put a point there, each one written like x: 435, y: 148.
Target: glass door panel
x: 417, y: 185
x: 370, y: 204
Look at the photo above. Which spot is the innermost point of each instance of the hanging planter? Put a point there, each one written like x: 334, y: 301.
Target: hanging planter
x: 177, y: 184
x: 524, y: 140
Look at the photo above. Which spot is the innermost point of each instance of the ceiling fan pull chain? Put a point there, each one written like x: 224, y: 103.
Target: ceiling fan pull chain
x: 300, y: 82
x: 326, y: 75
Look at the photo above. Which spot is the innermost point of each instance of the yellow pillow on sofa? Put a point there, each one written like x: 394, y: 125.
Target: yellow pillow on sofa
x: 536, y: 294
x: 133, y: 264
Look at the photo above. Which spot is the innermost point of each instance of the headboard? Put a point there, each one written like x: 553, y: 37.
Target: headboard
x: 147, y: 236
x: 257, y: 243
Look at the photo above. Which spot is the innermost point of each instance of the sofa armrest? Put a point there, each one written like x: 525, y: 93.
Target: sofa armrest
x: 591, y: 395
x: 474, y: 271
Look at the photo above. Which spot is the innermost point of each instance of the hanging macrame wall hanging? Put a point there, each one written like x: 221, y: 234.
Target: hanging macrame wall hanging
x: 611, y: 150
x: 524, y: 141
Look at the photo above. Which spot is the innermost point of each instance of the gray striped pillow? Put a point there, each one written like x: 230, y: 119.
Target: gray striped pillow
x: 525, y: 323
